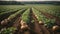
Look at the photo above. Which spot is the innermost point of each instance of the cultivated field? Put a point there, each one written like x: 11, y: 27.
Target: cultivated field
x: 30, y: 19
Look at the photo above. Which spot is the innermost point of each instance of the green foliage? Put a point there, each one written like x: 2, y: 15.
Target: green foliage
x: 15, y: 14
x: 25, y: 17
x: 51, y: 9
x: 9, y: 30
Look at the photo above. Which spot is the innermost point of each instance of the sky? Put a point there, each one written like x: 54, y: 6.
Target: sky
x: 29, y: 0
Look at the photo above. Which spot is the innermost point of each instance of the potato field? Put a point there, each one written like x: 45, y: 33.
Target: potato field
x: 30, y: 19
